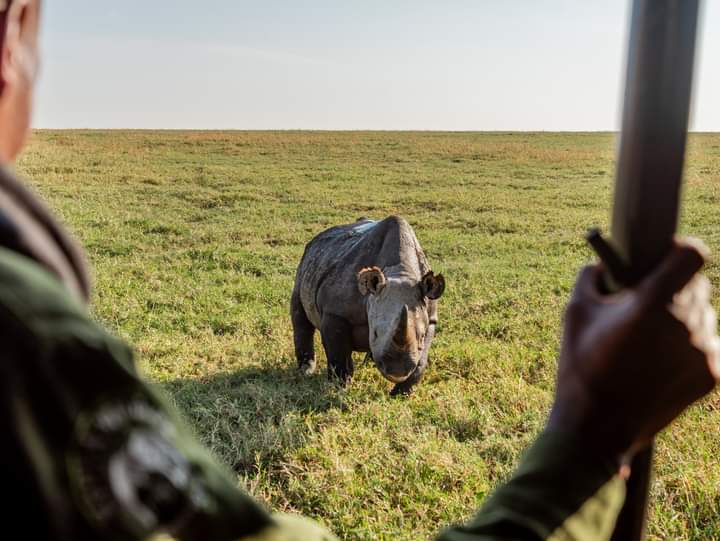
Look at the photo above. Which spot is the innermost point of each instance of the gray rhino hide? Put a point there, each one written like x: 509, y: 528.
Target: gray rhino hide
x: 327, y: 297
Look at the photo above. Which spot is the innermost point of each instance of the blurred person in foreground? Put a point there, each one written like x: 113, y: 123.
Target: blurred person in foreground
x: 90, y: 451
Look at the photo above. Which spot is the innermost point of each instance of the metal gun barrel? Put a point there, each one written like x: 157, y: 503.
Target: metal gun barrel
x: 658, y: 87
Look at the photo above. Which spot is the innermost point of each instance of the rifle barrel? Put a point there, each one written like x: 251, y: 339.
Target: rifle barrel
x: 649, y: 172
x: 654, y: 131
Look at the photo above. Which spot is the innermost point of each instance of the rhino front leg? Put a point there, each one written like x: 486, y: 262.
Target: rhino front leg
x: 303, y: 334
x: 406, y: 387
x: 336, y: 335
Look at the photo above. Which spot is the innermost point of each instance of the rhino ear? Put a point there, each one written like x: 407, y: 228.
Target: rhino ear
x: 371, y: 280
x: 432, y: 285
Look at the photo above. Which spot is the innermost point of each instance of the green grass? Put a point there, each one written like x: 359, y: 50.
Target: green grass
x: 195, y: 237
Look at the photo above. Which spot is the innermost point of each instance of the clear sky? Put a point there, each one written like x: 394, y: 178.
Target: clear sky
x: 334, y: 64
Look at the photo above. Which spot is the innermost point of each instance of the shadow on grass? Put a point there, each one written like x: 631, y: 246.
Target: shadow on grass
x: 252, y: 418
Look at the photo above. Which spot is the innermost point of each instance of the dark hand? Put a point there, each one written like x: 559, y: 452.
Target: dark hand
x: 631, y: 362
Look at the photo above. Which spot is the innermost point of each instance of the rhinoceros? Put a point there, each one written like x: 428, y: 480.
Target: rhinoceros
x: 368, y: 287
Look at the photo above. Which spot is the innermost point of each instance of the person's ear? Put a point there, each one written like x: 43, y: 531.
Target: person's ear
x: 19, y: 32
x: 18, y: 70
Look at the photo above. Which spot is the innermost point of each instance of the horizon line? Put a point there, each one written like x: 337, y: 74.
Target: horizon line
x: 350, y: 130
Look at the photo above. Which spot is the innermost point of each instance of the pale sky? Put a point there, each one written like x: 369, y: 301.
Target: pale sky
x: 334, y: 64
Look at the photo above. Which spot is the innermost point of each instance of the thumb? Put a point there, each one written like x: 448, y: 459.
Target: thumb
x: 686, y: 258
x: 588, y: 282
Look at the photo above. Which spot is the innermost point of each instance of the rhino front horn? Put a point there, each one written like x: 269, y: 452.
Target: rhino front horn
x: 401, y: 338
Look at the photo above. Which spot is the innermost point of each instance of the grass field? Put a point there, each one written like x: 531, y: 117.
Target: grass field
x: 195, y: 237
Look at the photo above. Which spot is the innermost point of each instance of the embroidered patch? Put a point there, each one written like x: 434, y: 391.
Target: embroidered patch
x: 127, y: 473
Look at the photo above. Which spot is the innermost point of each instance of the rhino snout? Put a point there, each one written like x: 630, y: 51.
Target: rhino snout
x: 396, y: 379
x: 397, y: 372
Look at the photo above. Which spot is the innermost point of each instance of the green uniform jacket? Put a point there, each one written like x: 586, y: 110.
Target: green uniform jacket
x: 562, y: 490
x: 90, y: 451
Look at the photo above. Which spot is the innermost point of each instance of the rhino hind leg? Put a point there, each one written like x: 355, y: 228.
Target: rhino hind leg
x: 303, y: 334
x: 336, y: 334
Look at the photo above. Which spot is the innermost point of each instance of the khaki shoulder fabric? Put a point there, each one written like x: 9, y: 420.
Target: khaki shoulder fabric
x: 293, y: 528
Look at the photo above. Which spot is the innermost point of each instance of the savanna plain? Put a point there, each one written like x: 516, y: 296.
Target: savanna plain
x: 194, y: 238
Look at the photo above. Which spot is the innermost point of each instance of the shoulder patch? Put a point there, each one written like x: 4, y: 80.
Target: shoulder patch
x: 126, y: 472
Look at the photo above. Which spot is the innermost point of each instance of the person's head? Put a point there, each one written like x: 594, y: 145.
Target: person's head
x: 19, y: 21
